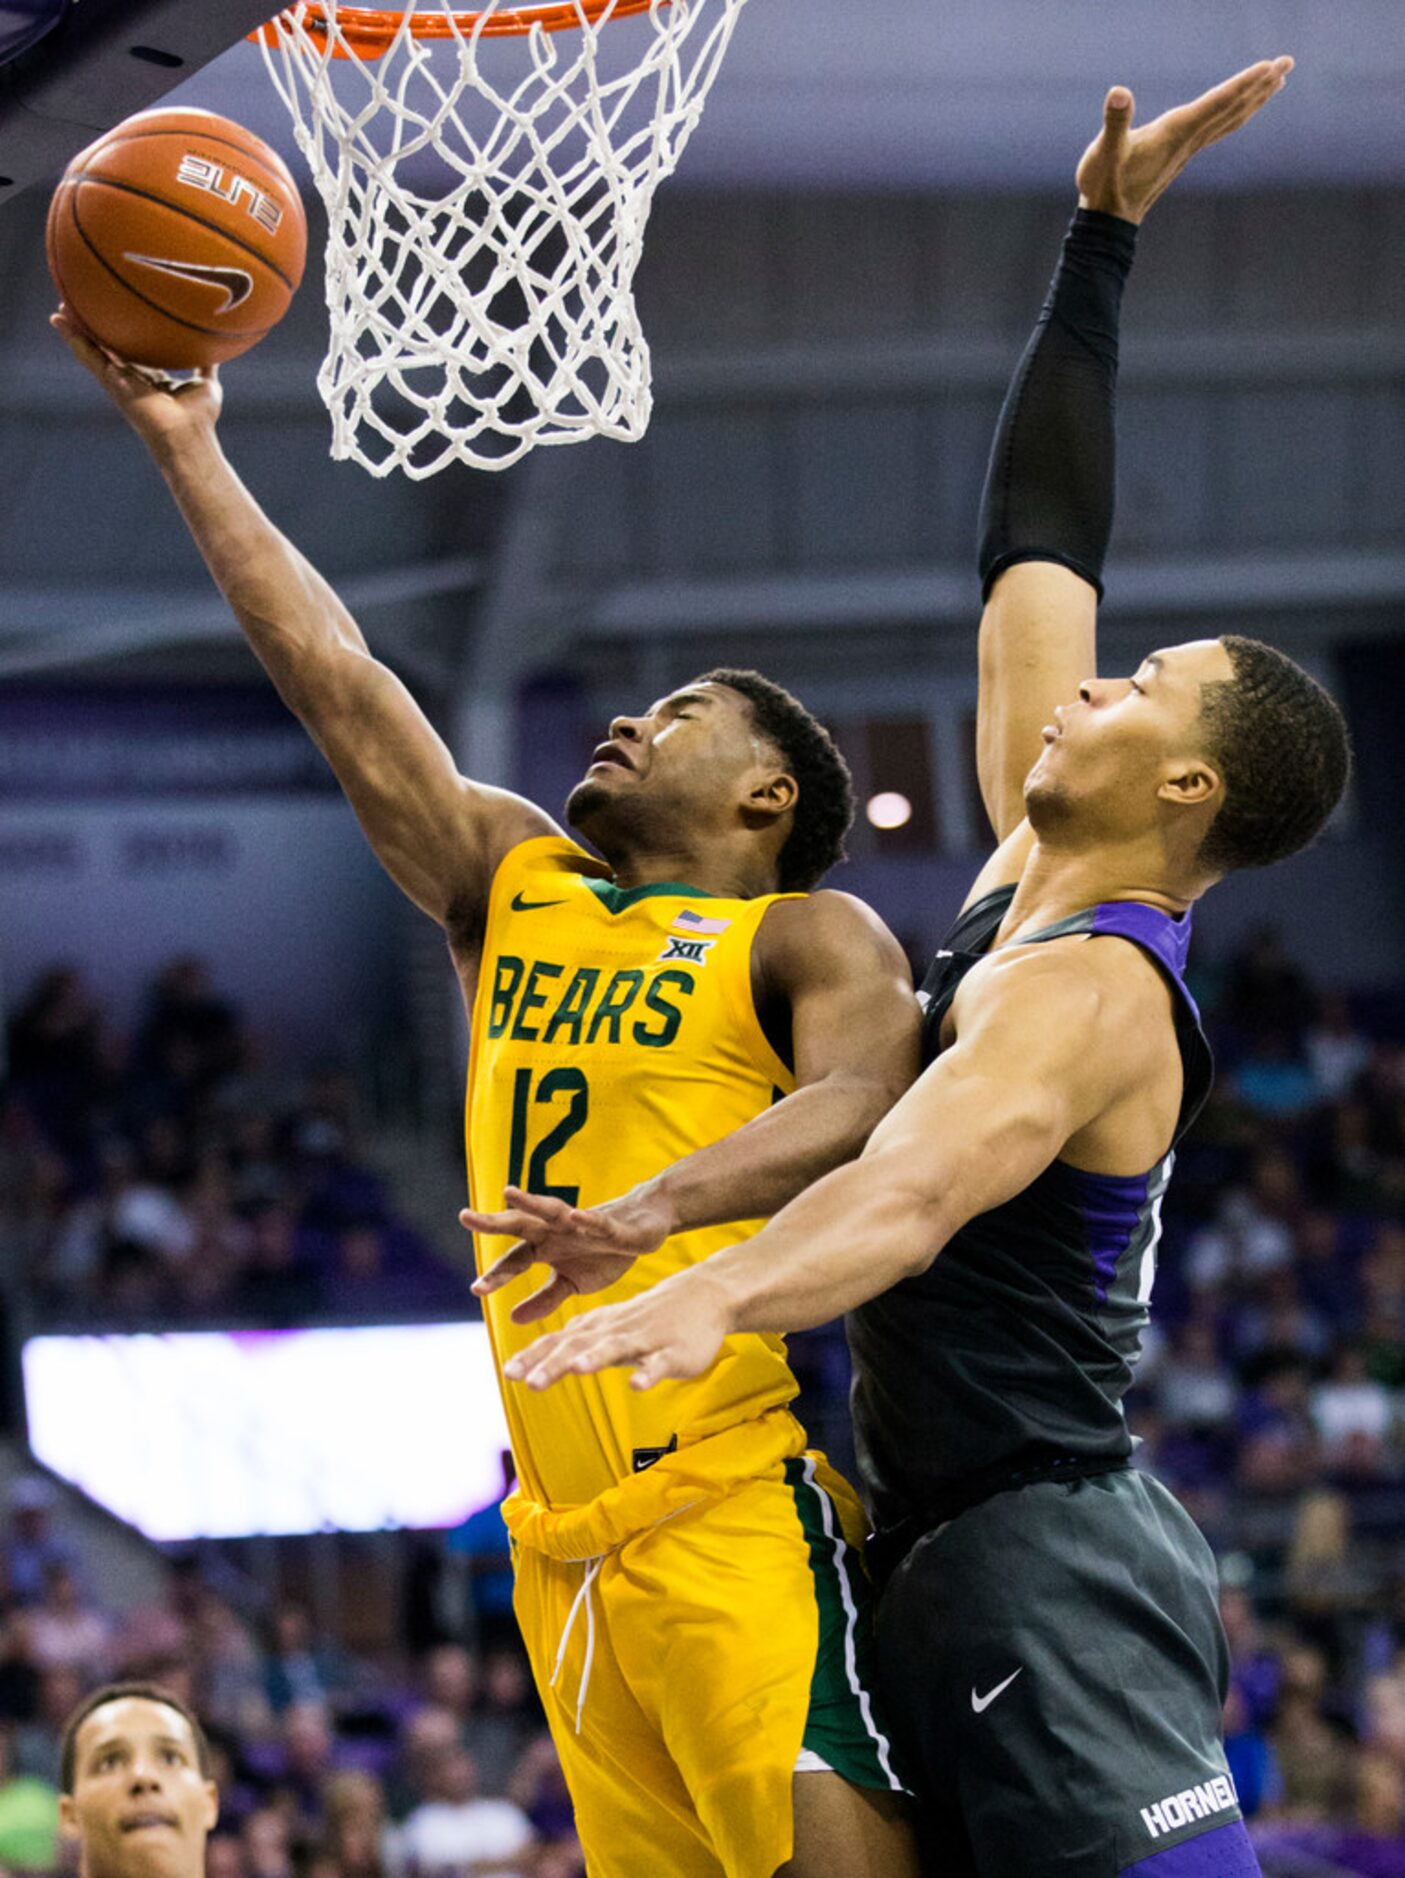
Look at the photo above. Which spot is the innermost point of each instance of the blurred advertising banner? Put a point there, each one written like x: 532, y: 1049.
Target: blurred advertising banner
x: 80, y: 743
x: 233, y: 1434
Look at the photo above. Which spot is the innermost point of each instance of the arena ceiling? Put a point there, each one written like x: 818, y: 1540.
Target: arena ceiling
x: 970, y: 95
x: 995, y: 92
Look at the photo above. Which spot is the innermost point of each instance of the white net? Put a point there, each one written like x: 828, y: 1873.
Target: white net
x: 487, y: 197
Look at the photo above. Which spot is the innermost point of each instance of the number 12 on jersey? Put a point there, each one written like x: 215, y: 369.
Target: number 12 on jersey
x: 554, y: 1085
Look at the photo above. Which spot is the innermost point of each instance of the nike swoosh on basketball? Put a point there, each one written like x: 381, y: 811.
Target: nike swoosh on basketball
x: 519, y: 905
x: 980, y: 1703
x: 236, y: 284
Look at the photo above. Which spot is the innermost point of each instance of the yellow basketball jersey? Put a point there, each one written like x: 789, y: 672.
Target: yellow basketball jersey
x: 613, y: 1033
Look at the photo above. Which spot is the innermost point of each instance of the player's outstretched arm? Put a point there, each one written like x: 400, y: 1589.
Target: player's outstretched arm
x: 438, y: 835
x: 1046, y: 511
x: 854, y: 1023
x: 981, y: 1123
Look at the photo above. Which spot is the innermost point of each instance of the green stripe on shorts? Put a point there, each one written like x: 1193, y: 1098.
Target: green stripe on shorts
x: 841, y: 1727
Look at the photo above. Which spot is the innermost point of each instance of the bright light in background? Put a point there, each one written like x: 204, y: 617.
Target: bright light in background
x: 220, y: 1435
x: 888, y: 809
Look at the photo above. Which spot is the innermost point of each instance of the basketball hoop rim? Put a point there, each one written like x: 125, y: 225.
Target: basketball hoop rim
x: 368, y: 31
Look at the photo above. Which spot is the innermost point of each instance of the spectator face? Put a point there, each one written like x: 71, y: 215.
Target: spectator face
x: 274, y: 1245
x: 1276, y: 1184
x: 265, y: 1844
x: 60, y: 1692
x: 60, y: 1592
x: 1304, y: 1673
x: 1237, y: 1616
x: 140, y: 1806
x: 224, y: 1858
x: 1198, y: 1345
x: 430, y: 1733
x: 361, y: 1252
x: 562, y: 1860
x: 505, y: 1682
x: 1380, y: 1796
x: 292, y: 1631
x: 450, y: 1681
x: 355, y: 1820
x: 456, y: 1777
x: 307, y: 1738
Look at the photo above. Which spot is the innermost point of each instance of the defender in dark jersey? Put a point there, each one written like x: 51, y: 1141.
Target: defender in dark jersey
x: 1051, y: 1648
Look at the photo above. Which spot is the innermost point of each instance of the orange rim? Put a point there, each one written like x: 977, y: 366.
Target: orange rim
x: 367, y: 31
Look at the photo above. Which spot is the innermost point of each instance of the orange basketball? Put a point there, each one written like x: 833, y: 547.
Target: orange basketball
x: 177, y: 239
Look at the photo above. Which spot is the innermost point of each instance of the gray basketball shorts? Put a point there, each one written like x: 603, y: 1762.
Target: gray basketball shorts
x: 1053, y: 1670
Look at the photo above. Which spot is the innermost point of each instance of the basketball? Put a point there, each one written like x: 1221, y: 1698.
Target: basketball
x: 178, y: 239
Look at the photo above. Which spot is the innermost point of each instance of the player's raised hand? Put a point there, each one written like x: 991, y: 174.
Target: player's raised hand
x: 154, y: 404
x: 1123, y: 171
x: 588, y: 1248
x: 675, y: 1329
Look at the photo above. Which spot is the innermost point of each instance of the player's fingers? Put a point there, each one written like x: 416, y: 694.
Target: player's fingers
x: 514, y: 1224
x: 577, y: 1352
x: 1118, y: 109
x: 551, y: 1297
x: 1224, y: 107
x: 543, y: 1206
x: 1248, y: 103
x: 591, y: 1225
x: 655, y: 1367
x: 517, y: 1368
x: 78, y: 342
x: 502, y: 1271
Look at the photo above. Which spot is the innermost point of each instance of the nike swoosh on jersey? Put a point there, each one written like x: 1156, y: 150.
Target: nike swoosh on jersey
x: 980, y: 1703
x: 235, y: 283
x: 519, y: 905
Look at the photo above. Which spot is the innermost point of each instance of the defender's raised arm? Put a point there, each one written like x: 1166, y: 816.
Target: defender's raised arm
x: 1047, y: 506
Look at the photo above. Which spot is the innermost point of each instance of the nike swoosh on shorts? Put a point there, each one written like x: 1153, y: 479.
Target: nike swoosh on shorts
x: 980, y: 1703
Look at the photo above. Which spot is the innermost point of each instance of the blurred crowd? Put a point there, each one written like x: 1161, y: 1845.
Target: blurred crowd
x: 172, y: 1177
x: 1272, y: 1398
x: 414, y: 1764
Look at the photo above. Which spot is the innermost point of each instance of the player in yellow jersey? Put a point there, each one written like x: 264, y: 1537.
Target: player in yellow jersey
x: 688, y: 1586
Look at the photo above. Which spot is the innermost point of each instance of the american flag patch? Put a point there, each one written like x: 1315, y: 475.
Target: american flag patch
x: 693, y: 923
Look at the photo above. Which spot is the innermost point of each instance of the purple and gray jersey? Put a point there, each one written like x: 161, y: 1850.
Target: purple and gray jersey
x: 1013, y: 1351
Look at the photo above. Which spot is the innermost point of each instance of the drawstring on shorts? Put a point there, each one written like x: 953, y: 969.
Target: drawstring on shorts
x: 592, y: 1572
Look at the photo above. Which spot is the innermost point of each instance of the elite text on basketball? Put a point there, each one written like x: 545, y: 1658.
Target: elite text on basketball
x: 201, y: 173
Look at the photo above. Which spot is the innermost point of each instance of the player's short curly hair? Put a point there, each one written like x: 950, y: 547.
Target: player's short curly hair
x: 1284, y: 754
x: 121, y: 1692
x: 824, y: 809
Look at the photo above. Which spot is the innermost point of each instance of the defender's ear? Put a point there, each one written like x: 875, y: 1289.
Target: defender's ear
x: 1192, y: 786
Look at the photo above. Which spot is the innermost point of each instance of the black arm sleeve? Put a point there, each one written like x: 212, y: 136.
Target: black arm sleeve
x: 1049, y: 485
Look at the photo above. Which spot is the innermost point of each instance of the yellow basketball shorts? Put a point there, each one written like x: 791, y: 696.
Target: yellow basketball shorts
x: 689, y: 1673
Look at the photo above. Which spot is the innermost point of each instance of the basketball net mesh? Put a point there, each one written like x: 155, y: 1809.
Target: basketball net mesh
x: 486, y: 200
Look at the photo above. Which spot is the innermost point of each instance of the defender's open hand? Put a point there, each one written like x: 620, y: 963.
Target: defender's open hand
x: 676, y: 1329
x: 1123, y: 171
x: 154, y: 404
x: 588, y: 1248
